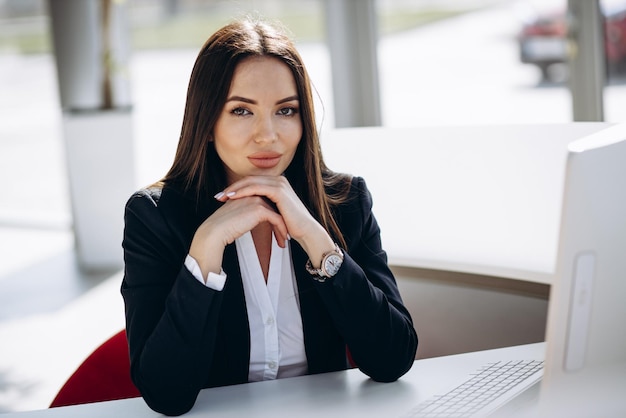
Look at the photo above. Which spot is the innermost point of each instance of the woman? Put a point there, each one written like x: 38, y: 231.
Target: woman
x: 251, y: 260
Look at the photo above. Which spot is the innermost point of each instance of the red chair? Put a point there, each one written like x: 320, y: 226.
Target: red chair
x: 103, y: 376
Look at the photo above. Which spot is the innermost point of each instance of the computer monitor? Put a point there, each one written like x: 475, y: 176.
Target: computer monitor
x: 587, y: 309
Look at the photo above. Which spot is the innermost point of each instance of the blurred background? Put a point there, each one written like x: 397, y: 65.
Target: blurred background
x: 440, y: 62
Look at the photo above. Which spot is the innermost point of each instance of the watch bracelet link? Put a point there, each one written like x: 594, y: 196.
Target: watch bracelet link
x: 318, y: 274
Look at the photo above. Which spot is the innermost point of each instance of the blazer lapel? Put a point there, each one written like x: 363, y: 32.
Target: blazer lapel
x: 233, y: 335
x: 184, y: 212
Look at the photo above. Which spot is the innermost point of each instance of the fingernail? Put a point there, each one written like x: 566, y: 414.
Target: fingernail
x: 219, y: 195
x: 230, y: 194
x: 288, y: 237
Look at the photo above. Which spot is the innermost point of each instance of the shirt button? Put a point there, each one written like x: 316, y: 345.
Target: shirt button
x: 272, y: 365
x: 270, y: 321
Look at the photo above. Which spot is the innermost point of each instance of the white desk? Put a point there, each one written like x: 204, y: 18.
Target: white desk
x: 340, y: 394
x: 480, y: 199
x: 595, y: 392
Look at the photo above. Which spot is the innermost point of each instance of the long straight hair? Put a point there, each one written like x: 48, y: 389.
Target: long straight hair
x: 196, y: 163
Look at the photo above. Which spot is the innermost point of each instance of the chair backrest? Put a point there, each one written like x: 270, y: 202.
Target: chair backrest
x: 103, y: 376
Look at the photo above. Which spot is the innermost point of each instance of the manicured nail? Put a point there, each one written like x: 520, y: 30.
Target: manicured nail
x: 219, y: 195
x: 230, y: 194
x: 288, y: 237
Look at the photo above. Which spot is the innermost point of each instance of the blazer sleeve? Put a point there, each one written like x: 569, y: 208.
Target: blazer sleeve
x: 168, y: 312
x: 363, y: 298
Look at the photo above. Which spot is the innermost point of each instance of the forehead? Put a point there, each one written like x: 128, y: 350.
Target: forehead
x: 262, y: 74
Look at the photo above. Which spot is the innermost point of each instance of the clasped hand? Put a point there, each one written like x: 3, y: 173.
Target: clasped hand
x: 249, y: 202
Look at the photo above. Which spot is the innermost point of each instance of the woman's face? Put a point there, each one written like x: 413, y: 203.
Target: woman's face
x: 259, y: 128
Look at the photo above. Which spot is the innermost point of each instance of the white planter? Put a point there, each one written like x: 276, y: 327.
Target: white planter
x: 100, y: 161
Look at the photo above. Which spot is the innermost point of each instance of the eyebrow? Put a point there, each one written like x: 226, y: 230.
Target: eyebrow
x: 246, y: 100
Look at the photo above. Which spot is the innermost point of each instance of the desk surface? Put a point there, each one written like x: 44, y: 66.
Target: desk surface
x: 348, y: 393
x: 480, y: 199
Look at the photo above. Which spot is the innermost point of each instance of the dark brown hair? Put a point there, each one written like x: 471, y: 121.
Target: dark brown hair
x: 197, y: 165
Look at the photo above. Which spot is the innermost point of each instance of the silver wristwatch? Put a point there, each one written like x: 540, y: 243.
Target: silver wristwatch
x: 331, y: 262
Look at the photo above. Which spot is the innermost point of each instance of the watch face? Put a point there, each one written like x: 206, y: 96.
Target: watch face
x: 332, y: 264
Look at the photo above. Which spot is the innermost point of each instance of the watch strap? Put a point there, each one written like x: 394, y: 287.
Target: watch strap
x: 319, y: 274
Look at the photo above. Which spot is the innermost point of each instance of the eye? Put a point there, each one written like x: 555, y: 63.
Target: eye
x: 240, y: 111
x: 288, y: 111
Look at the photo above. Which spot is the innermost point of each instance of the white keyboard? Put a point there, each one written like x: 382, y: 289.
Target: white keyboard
x: 486, y: 390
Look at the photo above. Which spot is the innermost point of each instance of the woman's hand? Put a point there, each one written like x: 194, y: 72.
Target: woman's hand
x: 299, y: 223
x: 229, y: 222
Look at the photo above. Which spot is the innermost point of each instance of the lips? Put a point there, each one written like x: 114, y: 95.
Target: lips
x: 264, y: 159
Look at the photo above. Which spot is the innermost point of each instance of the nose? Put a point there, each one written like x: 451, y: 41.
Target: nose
x: 265, y: 130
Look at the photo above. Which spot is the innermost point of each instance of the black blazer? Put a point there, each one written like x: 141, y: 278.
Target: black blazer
x: 184, y: 336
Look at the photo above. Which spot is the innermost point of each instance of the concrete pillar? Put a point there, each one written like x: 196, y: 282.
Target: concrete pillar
x: 351, y: 27
x: 91, y: 46
x: 587, y: 59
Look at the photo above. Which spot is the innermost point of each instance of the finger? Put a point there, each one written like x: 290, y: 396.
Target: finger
x: 270, y: 204
x: 280, y: 229
x: 268, y: 186
x: 268, y: 213
x: 235, y: 225
x: 224, y: 196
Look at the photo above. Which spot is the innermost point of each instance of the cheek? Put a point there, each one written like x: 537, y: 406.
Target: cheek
x: 227, y: 138
x: 223, y: 146
x: 225, y: 151
x: 294, y: 135
x: 296, y: 141
x: 293, y: 148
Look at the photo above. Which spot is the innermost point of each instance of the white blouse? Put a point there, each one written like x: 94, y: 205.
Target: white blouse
x: 276, y: 337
